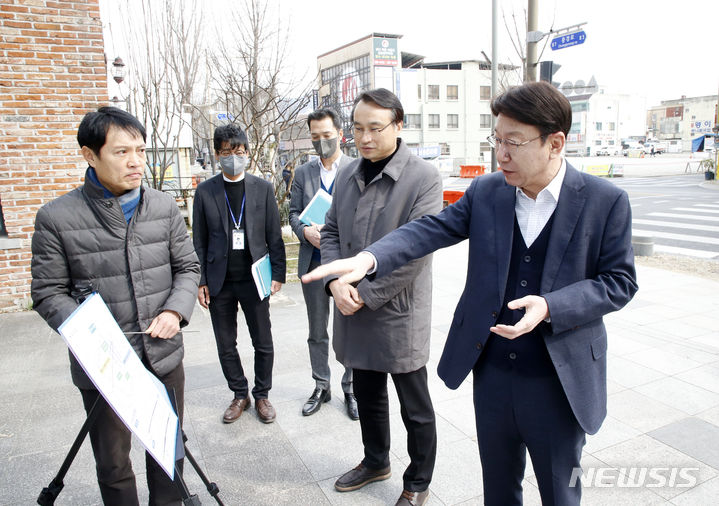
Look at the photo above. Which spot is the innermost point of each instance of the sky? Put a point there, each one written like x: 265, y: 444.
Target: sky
x: 655, y: 50
x: 659, y: 50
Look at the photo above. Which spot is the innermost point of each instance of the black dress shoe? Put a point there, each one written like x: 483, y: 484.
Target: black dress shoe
x: 314, y: 403
x: 361, y: 476
x: 351, y: 405
x: 413, y: 498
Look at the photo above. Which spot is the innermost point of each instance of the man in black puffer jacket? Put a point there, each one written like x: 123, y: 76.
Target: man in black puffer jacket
x: 130, y: 244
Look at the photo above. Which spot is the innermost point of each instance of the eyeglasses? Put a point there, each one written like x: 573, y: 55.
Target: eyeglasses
x: 236, y: 151
x: 508, y: 144
x: 359, y: 131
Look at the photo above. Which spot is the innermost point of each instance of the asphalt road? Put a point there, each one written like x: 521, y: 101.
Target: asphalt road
x: 679, y: 212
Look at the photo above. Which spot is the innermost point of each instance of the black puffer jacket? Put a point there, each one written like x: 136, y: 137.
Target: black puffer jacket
x: 140, y: 269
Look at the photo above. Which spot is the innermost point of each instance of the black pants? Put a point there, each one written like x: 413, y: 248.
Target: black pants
x: 370, y: 388
x: 110, y: 441
x: 516, y: 414
x: 223, y: 311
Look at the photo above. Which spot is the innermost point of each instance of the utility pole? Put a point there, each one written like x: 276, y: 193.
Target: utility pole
x: 494, y: 77
x: 532, y: 22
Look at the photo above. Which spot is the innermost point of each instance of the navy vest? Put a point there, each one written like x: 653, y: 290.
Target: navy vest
x: 527, y: 354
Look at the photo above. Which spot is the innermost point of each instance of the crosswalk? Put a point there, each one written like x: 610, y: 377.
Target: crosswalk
x: 690, y: 230
x: 658, y: 182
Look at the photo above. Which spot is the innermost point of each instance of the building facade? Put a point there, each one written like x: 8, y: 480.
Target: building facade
x: 677, y: 122
x: 446, y: 104
x: 601, y: 120
x: 345, y: 72
x: 447, y: 110
x: 52, y: 71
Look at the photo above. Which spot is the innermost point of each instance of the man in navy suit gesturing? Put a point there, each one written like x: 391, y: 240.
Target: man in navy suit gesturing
x: 550, y: 254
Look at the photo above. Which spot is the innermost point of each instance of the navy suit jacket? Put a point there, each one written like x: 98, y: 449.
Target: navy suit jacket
x: 211, y: 229
x: 588, y: 272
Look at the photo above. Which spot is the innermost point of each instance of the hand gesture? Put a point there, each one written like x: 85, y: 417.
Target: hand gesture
x: 352, y: 269
x: 535, y: 311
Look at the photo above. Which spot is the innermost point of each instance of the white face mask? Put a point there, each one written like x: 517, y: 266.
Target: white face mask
x: 233, y: 165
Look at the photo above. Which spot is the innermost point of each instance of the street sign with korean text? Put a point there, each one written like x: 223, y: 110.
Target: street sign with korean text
x: 568, y: 40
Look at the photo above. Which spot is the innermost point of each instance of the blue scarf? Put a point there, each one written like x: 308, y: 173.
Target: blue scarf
x: 128, y: 201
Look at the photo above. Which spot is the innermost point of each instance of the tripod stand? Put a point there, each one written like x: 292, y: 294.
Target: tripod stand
x: 50, y: 493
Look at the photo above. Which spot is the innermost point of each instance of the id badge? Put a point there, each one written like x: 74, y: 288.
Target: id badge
x: 238, y: 238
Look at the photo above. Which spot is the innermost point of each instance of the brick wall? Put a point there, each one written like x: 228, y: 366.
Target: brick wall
x: 52, y: 71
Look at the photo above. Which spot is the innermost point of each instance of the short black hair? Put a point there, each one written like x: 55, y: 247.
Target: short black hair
x: 232, y: 134
x: 383, y: 98
x: 93, y: 128
x: 537, y: 103
x: 321, y: 114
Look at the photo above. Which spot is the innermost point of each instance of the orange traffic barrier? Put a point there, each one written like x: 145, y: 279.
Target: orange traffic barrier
x: 471, y: 171
x: 451, y: 196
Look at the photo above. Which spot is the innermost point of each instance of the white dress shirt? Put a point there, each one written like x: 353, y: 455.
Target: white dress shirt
x: 328, y: 176
x: 533, y: 214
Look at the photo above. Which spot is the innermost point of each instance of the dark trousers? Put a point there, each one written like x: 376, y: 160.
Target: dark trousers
x: 223, y: 311
x: 517, y: 413
x: 110, y: 441
x: 318, y: 341
x: 370, y: 388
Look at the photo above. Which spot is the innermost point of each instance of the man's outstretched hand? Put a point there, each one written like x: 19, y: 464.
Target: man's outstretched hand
x: 350, y: 269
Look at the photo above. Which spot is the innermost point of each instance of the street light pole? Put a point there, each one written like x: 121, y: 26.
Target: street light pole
x: 118, y: 75
x: 532, y: 22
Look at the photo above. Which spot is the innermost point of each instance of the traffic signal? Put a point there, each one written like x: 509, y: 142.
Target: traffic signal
x: 547, y: 69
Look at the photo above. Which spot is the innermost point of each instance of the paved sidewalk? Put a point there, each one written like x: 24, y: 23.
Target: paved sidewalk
x: 663, y: 411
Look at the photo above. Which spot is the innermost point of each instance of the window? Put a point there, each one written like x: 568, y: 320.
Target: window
x: 485, y: 92
x: 452, y: 92
x: 444, y: 148
x: 597, y: 143
x: 433, y: 92
x: 610, y: 126
x: 598, y: 126
x: 452, y: 120
x: 413, y: 121
x: 484, y: 146
x: 353, y: 74
x: 485, y: 121
x: 419, y: 92
x: 434, y: 121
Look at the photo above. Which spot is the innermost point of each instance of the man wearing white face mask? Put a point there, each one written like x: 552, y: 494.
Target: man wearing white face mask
x: 235, y: 223
x: 326, y: 134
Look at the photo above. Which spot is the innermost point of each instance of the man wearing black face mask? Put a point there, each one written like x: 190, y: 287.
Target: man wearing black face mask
x: 326, y: 133
x: 235, y: 223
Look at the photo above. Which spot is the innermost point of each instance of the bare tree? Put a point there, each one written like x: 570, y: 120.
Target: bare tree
x: 163, y: 42
x: 253, y: 84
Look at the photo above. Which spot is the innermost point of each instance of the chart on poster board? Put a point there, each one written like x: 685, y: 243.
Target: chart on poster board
x: 133, y: 392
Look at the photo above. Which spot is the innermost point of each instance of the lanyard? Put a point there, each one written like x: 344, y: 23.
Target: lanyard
x: 331, y: 186
x: 242, y: 210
